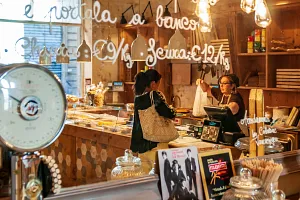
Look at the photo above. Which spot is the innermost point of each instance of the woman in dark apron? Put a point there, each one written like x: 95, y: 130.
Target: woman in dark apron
x: 227, y: 94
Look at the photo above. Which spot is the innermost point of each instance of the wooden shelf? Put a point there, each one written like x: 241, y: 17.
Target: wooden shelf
x: 284, y: 53
x: 252, y: 54
x: 249, y: 87
x: 269, y: 89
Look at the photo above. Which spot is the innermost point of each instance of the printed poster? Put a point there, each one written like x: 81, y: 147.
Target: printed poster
x: 180, y: 174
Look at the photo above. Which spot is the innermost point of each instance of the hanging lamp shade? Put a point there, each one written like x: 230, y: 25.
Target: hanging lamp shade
x: 45, y: 57
x: 105, y: 50
x: 62, y: 54
x: 139, y: 49
x: 84, y: 53
x: 177, y: 41
x: 262, y: 14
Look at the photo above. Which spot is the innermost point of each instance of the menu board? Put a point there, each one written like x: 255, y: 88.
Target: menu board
x: 216, y: 170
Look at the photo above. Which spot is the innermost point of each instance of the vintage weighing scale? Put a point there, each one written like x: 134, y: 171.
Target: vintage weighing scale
x: 33, y: 111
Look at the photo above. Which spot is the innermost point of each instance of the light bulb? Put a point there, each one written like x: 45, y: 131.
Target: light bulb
x: 248, y: 6
x: 262, y: 14
x: 202, y: 7
x: 205, y: 22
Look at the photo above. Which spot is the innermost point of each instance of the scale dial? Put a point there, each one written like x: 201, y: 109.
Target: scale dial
x: 32, y: 106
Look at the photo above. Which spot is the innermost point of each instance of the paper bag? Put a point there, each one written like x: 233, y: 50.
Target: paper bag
x: 200, y: 101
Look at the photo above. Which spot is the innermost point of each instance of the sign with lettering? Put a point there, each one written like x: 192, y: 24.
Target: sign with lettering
x: 208, y: 54
x: 262, y: 131
x: 216, y: 170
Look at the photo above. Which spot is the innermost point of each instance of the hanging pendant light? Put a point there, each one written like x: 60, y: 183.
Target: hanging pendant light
x: 262, y: 14
x: 177, y: 42
x: 203, y: 12
x: 248, y: 6
x: 202, y: 7
x: 45, y: 57
x: 205, y: 22
x: 84, y: 53
x: 62, y: 55
x: 139, y: 49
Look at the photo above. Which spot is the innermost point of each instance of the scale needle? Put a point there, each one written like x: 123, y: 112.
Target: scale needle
x: 17, y: 100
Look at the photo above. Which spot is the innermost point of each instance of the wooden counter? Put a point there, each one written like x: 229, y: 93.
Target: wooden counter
x: 203, y: 146
x: 87, y: 155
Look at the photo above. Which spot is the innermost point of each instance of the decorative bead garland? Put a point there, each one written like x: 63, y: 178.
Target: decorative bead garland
x: 55, y: 173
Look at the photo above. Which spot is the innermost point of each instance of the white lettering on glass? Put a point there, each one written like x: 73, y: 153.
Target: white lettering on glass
x: 174, y: 23
x: 262, y: 131
x: 156, y: 54
x: 75, y: 13
x: 136, y: 20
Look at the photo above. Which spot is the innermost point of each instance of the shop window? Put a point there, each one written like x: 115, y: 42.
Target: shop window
x: 51, y: 35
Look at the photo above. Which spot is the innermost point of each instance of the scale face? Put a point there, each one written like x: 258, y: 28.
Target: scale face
x: 32, y: 107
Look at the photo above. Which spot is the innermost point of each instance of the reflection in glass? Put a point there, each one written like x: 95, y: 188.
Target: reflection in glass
x: 248, y: 6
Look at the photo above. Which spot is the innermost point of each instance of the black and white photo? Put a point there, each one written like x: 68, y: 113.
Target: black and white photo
x: 180, y: 174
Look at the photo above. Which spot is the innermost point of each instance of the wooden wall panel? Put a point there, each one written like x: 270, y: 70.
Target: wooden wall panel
x: 85, y: 155
x: 62, y: 150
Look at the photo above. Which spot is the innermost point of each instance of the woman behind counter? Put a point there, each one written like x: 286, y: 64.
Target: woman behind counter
x: 144, y: 83
x: 227, y: 94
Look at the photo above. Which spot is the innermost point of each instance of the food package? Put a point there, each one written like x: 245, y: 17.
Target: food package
x: 200, y: 101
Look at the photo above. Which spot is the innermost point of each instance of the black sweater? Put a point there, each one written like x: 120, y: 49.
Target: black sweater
x: 138, y: 143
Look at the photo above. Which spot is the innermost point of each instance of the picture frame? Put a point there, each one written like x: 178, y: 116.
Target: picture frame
x: 216, y: 169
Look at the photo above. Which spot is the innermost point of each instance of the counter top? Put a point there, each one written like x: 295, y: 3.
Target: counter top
x: 203, y: 146
x: 78, y: 129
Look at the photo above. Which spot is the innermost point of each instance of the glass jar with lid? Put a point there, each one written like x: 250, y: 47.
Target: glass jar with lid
x: 128, y: 166
x: 245, y: 187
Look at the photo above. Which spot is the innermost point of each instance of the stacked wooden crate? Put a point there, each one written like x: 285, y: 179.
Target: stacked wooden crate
x: 288, y: 78
x: 217, y: 44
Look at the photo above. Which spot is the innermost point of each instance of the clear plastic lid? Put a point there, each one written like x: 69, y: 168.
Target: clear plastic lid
x: 243, y: 144
x: 246, y: 181
x: 128, y: 160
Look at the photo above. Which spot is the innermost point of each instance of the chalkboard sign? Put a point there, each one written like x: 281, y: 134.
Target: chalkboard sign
x: 216, y: 170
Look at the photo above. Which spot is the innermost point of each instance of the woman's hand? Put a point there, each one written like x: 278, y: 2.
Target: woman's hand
x: 199, y: 81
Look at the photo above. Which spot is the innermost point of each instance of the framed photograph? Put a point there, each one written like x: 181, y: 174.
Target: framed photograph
x: 180, y: 174
x: 216, y: 170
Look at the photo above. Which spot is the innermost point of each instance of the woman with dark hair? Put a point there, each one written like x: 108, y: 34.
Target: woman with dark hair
x: 227, y: 94
x: 145, y: 82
